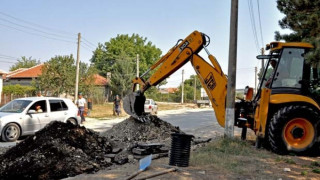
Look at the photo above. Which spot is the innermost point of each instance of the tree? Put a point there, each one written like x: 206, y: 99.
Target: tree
x: 302, y: 17
x: 189, y: 90
x: 58, y: 75
x: 24, y: 62
x: 17, y: 89
x: 87, y: 78
x: 107, y: 54
x: 123, y: 73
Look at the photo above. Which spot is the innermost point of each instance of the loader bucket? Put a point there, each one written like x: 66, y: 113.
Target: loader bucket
x: 133, y: 104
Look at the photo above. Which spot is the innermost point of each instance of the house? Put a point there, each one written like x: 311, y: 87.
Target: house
x: 24, y: 76
x: 168, y: 90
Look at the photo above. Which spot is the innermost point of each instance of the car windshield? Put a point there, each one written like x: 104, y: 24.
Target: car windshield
x: 147, y: 102
x: 15, y: 106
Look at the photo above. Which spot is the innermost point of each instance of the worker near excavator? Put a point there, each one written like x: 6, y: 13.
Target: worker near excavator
x: 273, y: 64
x: 117, y: 105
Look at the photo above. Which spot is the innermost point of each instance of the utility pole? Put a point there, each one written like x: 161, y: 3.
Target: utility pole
x: 77, y: 69
x: 138, y: 70
x: 230, y: 114
x: 262, y: 61
x: 195, y: 89
x: 255, y: 79
x: 182, y: 87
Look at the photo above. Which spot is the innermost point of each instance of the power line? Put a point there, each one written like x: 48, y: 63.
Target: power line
x: 7, y: 61
x: 88, y: 45
x: 35, y: 34
x: 85, y: 47
x: 34, y: 29
x: 260, y: 23
x: 88, y: 42
x: 253, y: 25
x: 8, y: 56
x: 40, y: 26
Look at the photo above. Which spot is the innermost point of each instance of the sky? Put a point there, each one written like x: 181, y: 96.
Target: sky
x: 44, y: 29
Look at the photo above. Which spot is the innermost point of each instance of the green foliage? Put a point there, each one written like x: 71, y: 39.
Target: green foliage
x: 188, y: 90
x: 107, y: 54
x: 304, y: 173
x: 58, y: 75
x: 119, y: 55
x: 24, y: 62
x: 302, y: 17
x: 87, y: 78
x: 316, y: 170
x: 123, y: 73
x: 17, y: 89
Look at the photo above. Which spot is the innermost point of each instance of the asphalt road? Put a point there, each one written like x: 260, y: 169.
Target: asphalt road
x: 198, y: 122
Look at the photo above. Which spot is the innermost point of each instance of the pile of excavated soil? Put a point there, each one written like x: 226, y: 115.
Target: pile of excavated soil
x: 131, y: 131
x: 63, y: 150
x: 57, y: 151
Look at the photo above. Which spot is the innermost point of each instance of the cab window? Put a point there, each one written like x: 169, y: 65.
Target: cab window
x: 290, y: 69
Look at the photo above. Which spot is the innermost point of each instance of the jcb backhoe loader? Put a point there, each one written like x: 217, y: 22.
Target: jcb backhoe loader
x: 284, y: 114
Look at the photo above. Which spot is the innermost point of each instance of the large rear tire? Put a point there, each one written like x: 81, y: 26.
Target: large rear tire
x: 294, y: 129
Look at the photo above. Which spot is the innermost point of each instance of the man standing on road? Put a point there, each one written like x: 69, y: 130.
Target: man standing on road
x: 117, y: 105
x: 81, y: 102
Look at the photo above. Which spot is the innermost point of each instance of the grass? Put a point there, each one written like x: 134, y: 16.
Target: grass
x: 229, y: 155
x: 103, y: 111
x: 286, y: 160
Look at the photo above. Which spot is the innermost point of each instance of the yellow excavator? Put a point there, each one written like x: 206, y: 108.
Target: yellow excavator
x: 284, y: 113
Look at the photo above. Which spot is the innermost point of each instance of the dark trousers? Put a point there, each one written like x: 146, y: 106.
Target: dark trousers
x: 81, y: 111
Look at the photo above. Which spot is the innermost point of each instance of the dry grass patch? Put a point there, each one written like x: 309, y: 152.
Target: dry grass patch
x: 233, y: 156
x: 103, y: 111
x: 242, y: 160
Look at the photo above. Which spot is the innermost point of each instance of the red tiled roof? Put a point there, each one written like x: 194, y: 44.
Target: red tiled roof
x: 36, y: 71
x: 169, y: 90
x: 99, y: 80
x: 172, y: 90
x: 32, y: 72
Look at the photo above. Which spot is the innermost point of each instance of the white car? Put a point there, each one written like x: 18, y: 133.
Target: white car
x: 20, y: 117
x: 150, y: 106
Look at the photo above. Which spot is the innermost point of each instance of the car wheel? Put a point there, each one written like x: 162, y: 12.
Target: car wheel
x: 11, y: 132
x: 73, y: 121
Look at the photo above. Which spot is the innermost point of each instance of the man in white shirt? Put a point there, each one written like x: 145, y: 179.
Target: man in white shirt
x: 81, y: 103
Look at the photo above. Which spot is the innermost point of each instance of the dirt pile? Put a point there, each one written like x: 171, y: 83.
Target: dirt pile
x: 57, y: 151
x: 63, y: 150
x: 130, y: 131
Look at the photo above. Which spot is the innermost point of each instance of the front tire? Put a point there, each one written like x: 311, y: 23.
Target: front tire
x: 294, y: 129
x: 11, y: 132
x: 72, y: 121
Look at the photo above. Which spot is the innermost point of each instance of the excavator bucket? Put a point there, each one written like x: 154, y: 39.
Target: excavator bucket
x: 133, y: 104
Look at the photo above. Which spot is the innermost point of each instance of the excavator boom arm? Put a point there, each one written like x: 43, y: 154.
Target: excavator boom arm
x: 211, y: 77
x: 172, y: 61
